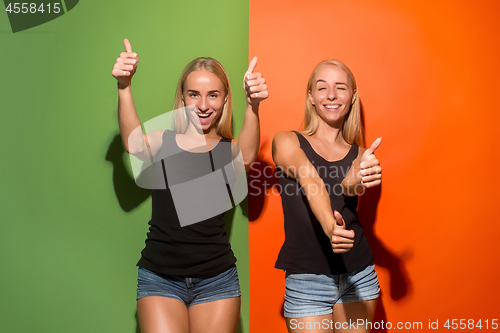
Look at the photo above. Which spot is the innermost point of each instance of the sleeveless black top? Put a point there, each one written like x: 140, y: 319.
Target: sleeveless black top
x: 197, y: 250
x: 307, y: 249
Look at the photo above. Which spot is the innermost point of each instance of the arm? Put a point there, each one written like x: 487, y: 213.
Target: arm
x: 256, y: 91
x: 134, y: 141
x: 291, y: 159
x: 365, y: 171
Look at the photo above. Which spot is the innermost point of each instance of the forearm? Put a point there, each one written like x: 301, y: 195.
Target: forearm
x: 352, y: 184
x: 129, y: 121
x: 319, y: 201
x: 249, y: 137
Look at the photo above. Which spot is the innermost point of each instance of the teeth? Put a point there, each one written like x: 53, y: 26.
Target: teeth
x: 204, y: 115
x: 332, y: 106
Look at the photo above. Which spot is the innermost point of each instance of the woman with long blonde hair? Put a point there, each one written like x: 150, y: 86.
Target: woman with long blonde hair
x: 330, y: 278
x: 187, y: 279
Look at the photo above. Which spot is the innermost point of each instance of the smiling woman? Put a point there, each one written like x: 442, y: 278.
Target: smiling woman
x: 342, y: 85
x: 204, y: 85
x: 187, y: 279
x: 330, y: 275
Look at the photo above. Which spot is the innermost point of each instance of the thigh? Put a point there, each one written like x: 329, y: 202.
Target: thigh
x: 159, y: 314
x: 312, y: 324
x: 215, y: 317
x: 354, y: 316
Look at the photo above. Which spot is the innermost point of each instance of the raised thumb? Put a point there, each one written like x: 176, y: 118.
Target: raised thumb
x: 339, y: 220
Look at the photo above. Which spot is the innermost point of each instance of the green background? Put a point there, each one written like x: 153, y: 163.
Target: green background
x: 72, y: 221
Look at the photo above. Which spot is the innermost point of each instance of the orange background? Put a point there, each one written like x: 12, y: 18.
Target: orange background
x: 428, y: 75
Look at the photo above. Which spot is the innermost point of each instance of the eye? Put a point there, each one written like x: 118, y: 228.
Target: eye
x: 321, y: 88
x: 341, y: 88
x: 213, y: 95
x: 193, y: 95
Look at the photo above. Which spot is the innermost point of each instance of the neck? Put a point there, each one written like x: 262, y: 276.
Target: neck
x: 211, y: 134
x: 330, y: 133
x: 197, y: 134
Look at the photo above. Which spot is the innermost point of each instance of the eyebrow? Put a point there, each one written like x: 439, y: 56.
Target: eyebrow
x: 210, y: 92
x: 335, y: 82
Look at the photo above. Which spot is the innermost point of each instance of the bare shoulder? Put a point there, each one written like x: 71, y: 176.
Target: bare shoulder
x: 286, y: 149
x: 288, y: 155
x: 285, y: 140
x: 154, y: 140
x: 155, y: 134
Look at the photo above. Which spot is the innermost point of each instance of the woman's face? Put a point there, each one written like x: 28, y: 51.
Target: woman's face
x: 205, y: 92
x: 331, y: 94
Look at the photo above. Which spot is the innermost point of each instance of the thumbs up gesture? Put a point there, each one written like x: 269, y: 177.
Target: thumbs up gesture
x: 125, y: 65
x: 371, y: 171
x: 342, y: 240
x: 254, y: 84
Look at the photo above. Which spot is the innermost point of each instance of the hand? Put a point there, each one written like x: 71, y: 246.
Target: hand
x: 254, y: 84
x: 342, y: 240
x: 125, y: 65
x: 371, y: 171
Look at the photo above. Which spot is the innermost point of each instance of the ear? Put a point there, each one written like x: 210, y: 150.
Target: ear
x: 354, y: 96
x: 310, y: 97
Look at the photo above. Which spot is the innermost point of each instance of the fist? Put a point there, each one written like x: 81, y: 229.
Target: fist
x: 371, y: 171
x: 125, y: 65
x: 254, y: 84
x: 342, y: 240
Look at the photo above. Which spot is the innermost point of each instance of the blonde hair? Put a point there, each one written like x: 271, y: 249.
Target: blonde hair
x: 352, y: 128
x: 223, y: 125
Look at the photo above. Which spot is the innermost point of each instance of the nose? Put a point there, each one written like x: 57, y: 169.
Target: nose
x: 332, y: 94
x: 203, y: 105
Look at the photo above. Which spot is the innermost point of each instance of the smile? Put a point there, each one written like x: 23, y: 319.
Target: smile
x: 336, y: 106
x: 204, y: 115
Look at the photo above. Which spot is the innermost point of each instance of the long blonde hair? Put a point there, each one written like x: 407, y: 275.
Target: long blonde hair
x: 352, y: 128
x: 223, y: 125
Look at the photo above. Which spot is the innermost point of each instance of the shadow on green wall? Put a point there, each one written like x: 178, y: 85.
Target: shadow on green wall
x: 128, y: 194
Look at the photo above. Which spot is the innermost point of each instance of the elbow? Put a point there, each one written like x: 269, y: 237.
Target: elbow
x: 248, y: 162
x: 134, y: 149
x: 249, y: 159
x: 352, y: 190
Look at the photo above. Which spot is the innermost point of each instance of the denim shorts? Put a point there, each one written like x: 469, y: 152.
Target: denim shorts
x: 191, y: 291
x: 315, y: 295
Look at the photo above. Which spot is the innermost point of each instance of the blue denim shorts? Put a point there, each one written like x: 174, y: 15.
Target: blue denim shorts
x: 191, y: 291
x: 315, y: 295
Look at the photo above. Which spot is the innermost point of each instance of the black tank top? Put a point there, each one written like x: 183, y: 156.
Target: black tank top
x: 307, y: 249
x: 198, y: 250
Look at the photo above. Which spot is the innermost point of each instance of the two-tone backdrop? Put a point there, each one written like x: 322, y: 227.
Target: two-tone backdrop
x: 73, y: 223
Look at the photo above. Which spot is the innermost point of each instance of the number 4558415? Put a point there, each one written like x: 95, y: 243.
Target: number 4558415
x: 25, y: 8
x: 463, y: 324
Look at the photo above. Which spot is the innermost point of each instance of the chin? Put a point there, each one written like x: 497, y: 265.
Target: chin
x: 207, y: 128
